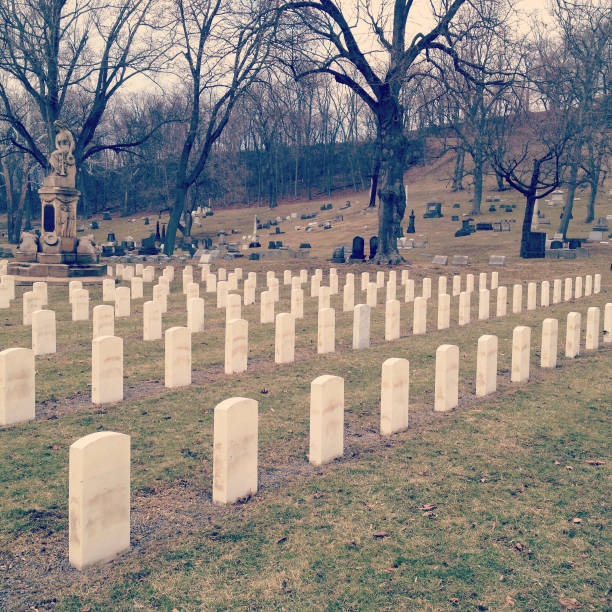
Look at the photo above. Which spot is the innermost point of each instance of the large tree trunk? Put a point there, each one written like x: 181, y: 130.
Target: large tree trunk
x: 566, y: 214
x: 391, y: 194
x: 527, y: 221
x: 180, y: 197
x: 478, y: 167
x: 500, y: 181
x: 374, y: 182
x: 14, y: 210
x: 593, y: 184
x: 459, y: 171
x: 530, y: 194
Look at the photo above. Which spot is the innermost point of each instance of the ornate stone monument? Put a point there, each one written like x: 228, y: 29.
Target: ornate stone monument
x: 58, y: 252
x: 59, y: 197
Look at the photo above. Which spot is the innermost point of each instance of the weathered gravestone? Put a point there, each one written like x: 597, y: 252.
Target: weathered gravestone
x: 357, y: 252
x: 497, y: 260
x: 373, y: 246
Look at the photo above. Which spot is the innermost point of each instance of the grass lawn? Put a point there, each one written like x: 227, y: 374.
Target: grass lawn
x: 508, y: 475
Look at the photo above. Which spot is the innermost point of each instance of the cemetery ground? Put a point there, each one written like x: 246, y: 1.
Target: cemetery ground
x: 504, y: 500
x: 499, y: 504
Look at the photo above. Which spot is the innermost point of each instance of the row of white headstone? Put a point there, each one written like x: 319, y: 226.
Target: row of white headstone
x: 107, y: 350
x: 122, y: 296
x: 99, y: 472
x: 43, y: 324
x: 17, y: 383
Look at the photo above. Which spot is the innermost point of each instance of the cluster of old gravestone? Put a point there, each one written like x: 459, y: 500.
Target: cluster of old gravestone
x: 99, y: 463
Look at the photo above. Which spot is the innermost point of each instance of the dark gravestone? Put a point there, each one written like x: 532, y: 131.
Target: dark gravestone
x: 433, y: 210
x: 110, y: 237
x: 456, y: 205
x: 357, y: 252
x: 305, y: 245
x: 556, y: 244
x: 373, y: 246
x: 535, y: 246
x: 484, y: 227
x: 157, y: 234
x: 492, y: 209
x: 106, y: 217
x: 575, y: 243
x: 279, y: 244
x: 163, y: 234
x: 455, y: 218
x: 107, y: 250
x: 411, y: 229
x: 254, y: 256
x: 468, y: 224
x: 338, y: 256
x: 271, y: 244
x: 255, y: 245
x: 147, y: 246
x: 95, y: 225
x: 146, y: 221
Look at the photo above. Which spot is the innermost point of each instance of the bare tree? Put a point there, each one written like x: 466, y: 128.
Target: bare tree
x: 582, y: 61
x: 224, y: 44
x: 323, y: 39
x: 69, y: 59
x: 472, y: 94
x: 533, y: 153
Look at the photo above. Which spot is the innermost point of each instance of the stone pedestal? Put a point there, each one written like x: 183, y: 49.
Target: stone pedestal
x: 59, y: 253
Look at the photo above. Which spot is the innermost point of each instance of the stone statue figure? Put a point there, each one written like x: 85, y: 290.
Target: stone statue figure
x: 64, y: 221
x: 62, y: 159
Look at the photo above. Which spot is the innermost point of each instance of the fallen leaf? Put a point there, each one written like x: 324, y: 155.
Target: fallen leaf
x: 281, y: 540
x: 389, y: 570
x: 483, y: 480
x: 569, y: 467
x: 428, y: 507
x: 595, y: 462
x: 519, y: 546
x: 556, y: 462
x: 380, y: 534
x: 577, y: 521
x: 318, y: 495
x: 454, y: 601
x: 569, y: 603
x: 509, y: 601
x: 264, y: 391
x: 431, y: 515
x: 424, y: 473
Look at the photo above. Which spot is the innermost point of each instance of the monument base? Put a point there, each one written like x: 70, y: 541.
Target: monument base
x: 57, y: 270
